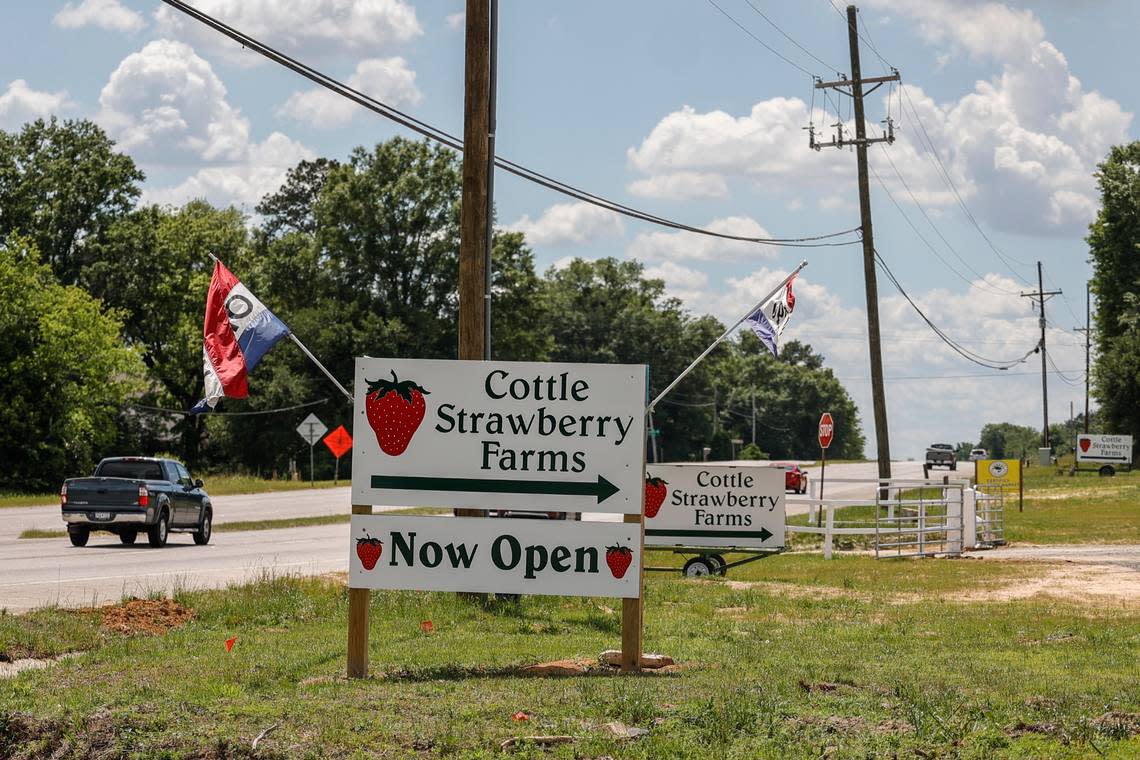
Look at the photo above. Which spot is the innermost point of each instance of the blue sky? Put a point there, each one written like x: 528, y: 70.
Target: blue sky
x: 670, y: 107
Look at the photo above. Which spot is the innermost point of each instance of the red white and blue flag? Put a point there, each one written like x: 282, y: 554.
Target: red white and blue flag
x: 238, y: 331
x: 769, y: 321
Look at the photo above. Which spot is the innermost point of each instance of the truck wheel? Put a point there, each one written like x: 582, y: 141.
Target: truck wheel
x: 202, y: 535
x: 697, y: 567
x: 79, y: 536
x: 157, y: 534
x: 953, y: 465
x: 127, y: 537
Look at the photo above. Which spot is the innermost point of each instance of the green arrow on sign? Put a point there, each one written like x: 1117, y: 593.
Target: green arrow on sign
x: 602, y: 488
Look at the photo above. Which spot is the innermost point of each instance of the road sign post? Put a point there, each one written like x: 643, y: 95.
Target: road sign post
x: 311, y: 429
x: 511, y: 436
x: 826, y: 435
x: 339, y: 443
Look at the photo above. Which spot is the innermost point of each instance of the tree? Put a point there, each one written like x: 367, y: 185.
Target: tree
x: 65, y: 374
x: 962, y: 450
x: 1004, y: 440
x: 62, y: 184
x: 153, y: 266
x: 1114, y: 248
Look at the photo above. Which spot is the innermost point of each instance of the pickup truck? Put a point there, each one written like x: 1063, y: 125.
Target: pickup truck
x: 941, y: 455
x: 129, y: 495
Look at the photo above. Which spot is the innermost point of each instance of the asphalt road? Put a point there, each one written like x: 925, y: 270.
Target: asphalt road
x: 35, y: 572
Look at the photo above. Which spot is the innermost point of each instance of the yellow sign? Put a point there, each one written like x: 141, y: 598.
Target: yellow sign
x: 1005, y: 473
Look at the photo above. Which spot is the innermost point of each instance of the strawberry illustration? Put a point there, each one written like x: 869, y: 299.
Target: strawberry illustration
x: 618, y: 558
x: 395, y: 410
x: 655, y: 492
x: 369, y: 550
x: 1084, y: 443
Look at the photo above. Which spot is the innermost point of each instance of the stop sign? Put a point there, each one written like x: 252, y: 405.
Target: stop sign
x: 826, y: 430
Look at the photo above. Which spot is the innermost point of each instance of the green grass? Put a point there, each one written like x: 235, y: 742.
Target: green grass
x: 849, y: 658
x: 216, y: 485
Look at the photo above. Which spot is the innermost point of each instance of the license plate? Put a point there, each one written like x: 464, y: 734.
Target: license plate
x: 102, y: 515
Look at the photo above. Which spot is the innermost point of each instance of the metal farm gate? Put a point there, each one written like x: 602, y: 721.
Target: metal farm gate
x: 990, y: 515
x: 919, y: 519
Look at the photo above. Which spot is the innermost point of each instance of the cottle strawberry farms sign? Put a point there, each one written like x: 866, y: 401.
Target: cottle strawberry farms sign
x: 499, y: 435
x: 698, y: 505
x: 502, y: 556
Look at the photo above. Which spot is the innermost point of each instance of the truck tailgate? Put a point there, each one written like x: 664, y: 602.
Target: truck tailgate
x: 103, y: 492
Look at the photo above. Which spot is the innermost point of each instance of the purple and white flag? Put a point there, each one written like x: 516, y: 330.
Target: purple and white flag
x: 769, y: 321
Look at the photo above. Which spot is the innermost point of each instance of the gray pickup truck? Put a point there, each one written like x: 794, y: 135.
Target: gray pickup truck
x: 129, y: 495
x: 942, y: 455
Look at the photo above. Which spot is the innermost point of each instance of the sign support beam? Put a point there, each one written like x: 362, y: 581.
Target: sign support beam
x: 358, y: 600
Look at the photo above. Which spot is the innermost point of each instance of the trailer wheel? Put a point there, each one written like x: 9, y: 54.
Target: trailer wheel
x: 718, y: 562
x: 1107, y: 471
x: 698, y: 567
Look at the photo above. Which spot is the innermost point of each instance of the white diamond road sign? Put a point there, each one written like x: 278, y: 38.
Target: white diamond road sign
x: 312, y: 429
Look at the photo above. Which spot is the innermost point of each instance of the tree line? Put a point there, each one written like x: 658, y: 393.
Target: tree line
x: 103, y: 301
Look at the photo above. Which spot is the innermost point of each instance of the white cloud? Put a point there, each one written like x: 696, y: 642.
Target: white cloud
x: 657, y: 246
x: 387, y: 79
x: 105, y: 14
x: 243, y: 183
x: 299, y: 27
x: 456, y: 21
x: 570, y: 223
x: 1021, y: 147
x: 164, y: 103
x: 681, y: 186
x: 680, y: 281
x: 168, y: 109
x: 20, y: 103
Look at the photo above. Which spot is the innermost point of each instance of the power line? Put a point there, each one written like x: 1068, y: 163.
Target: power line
x: 954, y: 345
x: 944, y: 377
x: 434, y: 133
x: 764, y: 44
x: 184, y: 413
x: 791, y: 39
x: 949, y: 181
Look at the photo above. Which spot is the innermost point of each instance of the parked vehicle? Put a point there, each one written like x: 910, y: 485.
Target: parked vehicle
x: 795, y: 479
x: 978, y: 454
x: 941, y: 455
x: 130, y: 495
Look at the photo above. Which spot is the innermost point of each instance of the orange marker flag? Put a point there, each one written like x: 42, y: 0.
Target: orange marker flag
x: 426, y: 626
x: 230, y: 644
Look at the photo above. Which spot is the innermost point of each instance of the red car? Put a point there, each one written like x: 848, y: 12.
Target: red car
x: 795, y: 479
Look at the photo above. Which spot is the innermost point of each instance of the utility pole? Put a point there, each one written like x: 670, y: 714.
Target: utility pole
x: 753, y: 416
x: 861, y: 141
x: 1041, y: 296
x: 1087, y: 330
x: 474, y: 218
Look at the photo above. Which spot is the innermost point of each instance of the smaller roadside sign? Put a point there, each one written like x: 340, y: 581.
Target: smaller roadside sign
x: 826, y: 430
x: 1005, y: 473
x: 1104, y: 449
x: 695, y: 505
x: 339, y: 442
x: 564, y: 558
x: 311, y: 429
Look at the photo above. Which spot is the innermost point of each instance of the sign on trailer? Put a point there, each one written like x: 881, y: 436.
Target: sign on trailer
x: 563, y: 558
x: 499, y: 435
x: 698, y: 505
x: 1104, y: 449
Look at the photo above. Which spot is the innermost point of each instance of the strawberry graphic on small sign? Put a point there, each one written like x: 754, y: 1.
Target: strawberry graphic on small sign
x: 655, y: 492
x: 618, y: 558
x: 368, y: 549
x: 395, y: 410
x: 1084, y: 444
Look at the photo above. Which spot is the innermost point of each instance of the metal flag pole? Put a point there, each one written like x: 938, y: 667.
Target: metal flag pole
x: 307, y: 353
x: 724, y: 335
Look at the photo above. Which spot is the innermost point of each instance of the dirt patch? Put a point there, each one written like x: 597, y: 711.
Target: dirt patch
x: 12, y: 668
x: 1094, y: 585
x: 1118, y: 725
x: 149, y: 617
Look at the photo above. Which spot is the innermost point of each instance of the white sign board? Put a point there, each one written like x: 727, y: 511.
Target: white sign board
x: 1104, y: 449
x: 499, y: 435
x: 312, y: 429
x: 697, y: 505
x: 565, y: 558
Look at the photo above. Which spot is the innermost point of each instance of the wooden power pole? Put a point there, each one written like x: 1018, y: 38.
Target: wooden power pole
x: 475, y: 216
x: 853, y: 88
x: 1087, y: 330
x: 1041, y: 296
